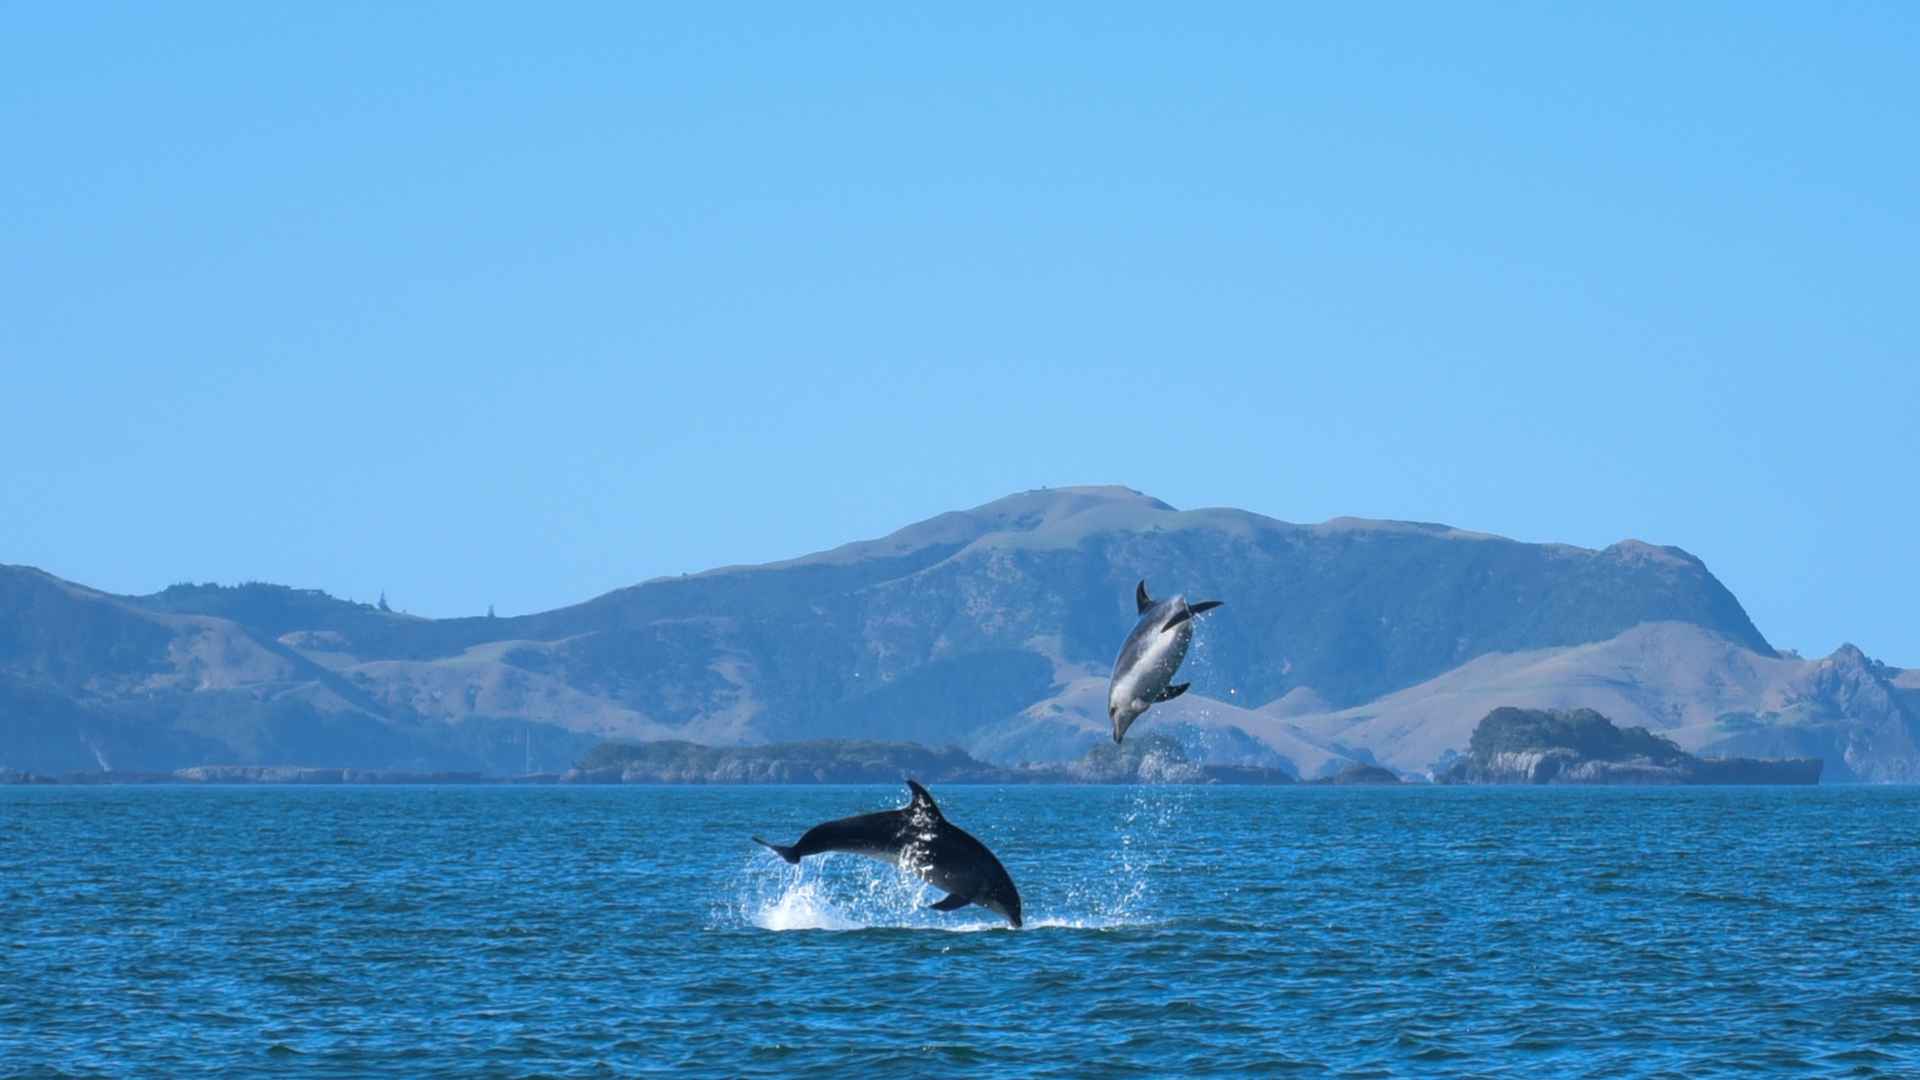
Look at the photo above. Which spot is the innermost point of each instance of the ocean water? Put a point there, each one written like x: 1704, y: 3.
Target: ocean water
x: 1170, y: 931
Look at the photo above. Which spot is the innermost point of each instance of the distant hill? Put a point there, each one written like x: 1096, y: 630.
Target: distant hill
x: 989, y: 628
x: 1708, y: 694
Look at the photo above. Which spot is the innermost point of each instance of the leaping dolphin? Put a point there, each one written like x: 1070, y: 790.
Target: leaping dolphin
x: 1152, y: 653
x: 919, y: 838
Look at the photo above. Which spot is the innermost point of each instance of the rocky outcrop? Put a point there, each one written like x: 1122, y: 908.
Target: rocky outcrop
x: 1543, y: 746
x: 1362, y: 775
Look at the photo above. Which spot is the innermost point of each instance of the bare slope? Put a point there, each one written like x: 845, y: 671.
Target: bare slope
x: 1707, y: 693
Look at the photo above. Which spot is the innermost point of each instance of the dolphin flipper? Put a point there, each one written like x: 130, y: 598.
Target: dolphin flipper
x: 781, y: 850
x: 1189, y: 612
x: 1172, y: 692
x: 1140, y: 598
x: 954, y: 902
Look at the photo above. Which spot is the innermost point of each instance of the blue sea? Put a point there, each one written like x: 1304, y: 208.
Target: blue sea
x: 559, y: 931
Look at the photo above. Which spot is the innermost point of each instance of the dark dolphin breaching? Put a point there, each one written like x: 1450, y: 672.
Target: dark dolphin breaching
x: 1143, y: 672
x: 919, y: 838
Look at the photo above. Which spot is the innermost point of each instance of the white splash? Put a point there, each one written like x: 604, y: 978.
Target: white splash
x: 803, y: 907
x: 847, y: 892
x: 807, y: 902
x: 840, y: 892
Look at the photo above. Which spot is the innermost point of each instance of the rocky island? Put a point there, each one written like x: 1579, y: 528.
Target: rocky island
x: 1580, y: 746
x: 1360, y: 774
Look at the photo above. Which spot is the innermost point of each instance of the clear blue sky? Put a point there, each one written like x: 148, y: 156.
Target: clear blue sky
x: 495, y: 305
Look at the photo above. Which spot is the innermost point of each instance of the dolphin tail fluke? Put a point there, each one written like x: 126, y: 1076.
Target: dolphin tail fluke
x: 1172, y: 692
x: 781, y: 850
x: 953, y: 902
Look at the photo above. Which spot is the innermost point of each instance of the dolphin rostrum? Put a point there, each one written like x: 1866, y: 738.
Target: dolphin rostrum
x: 919, y: 838
x: 1152, y: 653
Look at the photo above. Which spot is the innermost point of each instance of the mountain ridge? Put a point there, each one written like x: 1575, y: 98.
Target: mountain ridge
x: 991, y: 627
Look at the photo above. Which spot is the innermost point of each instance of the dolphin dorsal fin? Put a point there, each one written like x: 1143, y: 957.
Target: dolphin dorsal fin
x: 922, y: 802
x: 1140, y: 598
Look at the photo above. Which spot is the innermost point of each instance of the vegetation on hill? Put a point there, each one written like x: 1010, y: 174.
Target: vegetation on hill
x: 1582, y: 731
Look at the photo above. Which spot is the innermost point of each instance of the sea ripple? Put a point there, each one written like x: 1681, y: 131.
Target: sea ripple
x: 1170, y: 930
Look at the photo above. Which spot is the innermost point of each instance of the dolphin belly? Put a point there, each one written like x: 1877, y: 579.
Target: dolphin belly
x: 1142, y: 675
x: 1150, y: 657
x: 1143, y: 672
